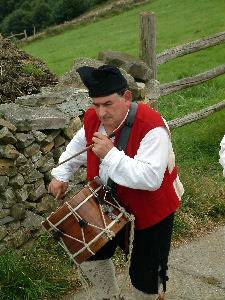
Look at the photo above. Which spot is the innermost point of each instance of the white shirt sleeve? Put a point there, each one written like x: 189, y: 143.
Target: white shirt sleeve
x: 222, y: 154
x: 66, y: 170
x: 146, y: 170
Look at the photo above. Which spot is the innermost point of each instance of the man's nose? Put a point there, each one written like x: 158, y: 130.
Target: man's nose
x: 101, y: 111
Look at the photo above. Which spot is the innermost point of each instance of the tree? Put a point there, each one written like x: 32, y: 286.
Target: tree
x: 41, y: 15
x: 66, y: 10
x: 16, y: 22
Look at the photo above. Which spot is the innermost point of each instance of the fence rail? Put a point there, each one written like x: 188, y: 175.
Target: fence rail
x: 24, y: 33
x: 184, y: 83
x: 191, y: 47
x: 155, y: 89
x: 201, y: 114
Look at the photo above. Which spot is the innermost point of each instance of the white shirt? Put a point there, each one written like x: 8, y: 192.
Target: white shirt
x: 222, y: 154
x: 145, y: 171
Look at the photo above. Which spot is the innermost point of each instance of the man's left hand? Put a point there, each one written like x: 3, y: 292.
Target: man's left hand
x: 102, y: 144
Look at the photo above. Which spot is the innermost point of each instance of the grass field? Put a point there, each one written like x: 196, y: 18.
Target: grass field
x: 196, y: 145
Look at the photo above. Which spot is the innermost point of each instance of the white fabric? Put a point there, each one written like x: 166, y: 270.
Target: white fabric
x: 145, y: 171
x: 178, y: 186
x: 222, y: 154
x: 101, y: 273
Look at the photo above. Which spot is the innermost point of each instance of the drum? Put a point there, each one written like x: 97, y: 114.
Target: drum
x: 85, y: 223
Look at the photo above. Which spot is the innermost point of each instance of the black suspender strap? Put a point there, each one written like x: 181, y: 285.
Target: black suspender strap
x: 124, y: 136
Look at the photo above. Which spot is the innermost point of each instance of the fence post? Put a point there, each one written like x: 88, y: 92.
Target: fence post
x: 34, y: 30
x: 148, y: 54
x: 25, y: 33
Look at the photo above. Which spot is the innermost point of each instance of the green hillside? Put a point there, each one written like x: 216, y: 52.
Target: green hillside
x: 178, y: 22
x: 196, y: 145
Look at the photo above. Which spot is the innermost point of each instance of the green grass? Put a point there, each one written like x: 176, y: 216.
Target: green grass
x: 42, y: 272
x: 177, y: 22
x: 32, y: 70
x: 197, y: 146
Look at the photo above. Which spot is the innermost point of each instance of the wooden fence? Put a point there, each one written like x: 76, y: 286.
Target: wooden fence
x: 154, y: 88
x: 23, y: 34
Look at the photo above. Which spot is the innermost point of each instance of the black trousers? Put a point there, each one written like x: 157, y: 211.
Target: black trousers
x: 149, y: 260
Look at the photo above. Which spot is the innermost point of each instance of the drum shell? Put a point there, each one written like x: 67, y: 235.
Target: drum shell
x: 88, y: 208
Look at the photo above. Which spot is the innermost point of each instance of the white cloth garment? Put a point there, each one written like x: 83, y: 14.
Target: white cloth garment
x: 222, y: 154
x: 145, y: 171
x: 142, y: 296
x: 101, y: 273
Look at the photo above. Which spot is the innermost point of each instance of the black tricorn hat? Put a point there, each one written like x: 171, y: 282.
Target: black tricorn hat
x: 103, y: 81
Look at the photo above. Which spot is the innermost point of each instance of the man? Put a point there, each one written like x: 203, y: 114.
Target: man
x: 145, y: 175
x: 222, y: 154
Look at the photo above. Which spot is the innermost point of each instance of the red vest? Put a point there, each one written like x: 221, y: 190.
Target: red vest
x: 148, y: 207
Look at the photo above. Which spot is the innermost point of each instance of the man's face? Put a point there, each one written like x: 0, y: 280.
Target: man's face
x: 112, y: 109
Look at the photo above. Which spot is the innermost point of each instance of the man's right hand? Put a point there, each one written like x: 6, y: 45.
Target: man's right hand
x: 57, y: 188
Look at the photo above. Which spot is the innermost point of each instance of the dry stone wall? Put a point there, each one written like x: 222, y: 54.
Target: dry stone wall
x: 34, y: 131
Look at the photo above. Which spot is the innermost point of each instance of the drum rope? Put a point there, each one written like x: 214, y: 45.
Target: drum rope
x: 131, y: 218
x: 110, y: 234
x: 127, y: 266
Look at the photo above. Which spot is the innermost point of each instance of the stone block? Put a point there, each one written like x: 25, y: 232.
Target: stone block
x: 6, y: 220
x: 47, y: 147
x: 33, y: 176
x: 26, y: 169
x: 4, y: 213
x: 9, y: 151
x: 36, y: 157
x: 17, y: 181
x: 51, y: 135
x: 4, y: 180
x: 32, y: 221
x: 18, y: 211
x: 7, y: 124
x: 21, y: 160
x: 74, y: 125
x: 57, y: 152
x: 3, y: 248
x: 76, y: 105
x: 38, y: 191
x: 139, y: 70
x: 39, y: 99
x: 20, y: 237
x: 22, y: 194
x: 39, y: 136
x: 28, y: 119
x: 8, y: 198
x: 59, y: 141
x: 48, y: 165
x: 12, y: 227
x: 47, y: 205
x: 31, y: 150
x: 42, y: 160
x: 6, y: 137
x: 24, y: 139
x: 7, y: 167
x: 3, y: 232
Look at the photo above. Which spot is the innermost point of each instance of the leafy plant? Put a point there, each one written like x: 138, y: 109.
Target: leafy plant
x: 32, y: 70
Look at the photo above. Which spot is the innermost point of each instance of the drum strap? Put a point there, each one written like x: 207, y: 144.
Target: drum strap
x: 124, y: 137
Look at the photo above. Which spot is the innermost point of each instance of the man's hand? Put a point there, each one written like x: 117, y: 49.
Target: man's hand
x: 102, y: 144
x: 57, y: 188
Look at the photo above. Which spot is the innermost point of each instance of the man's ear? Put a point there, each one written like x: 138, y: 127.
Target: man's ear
x: 128, y: 96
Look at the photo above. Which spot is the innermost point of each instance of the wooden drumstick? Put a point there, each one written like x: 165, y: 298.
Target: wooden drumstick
x: 90, y: 146
x: 82, y: 151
